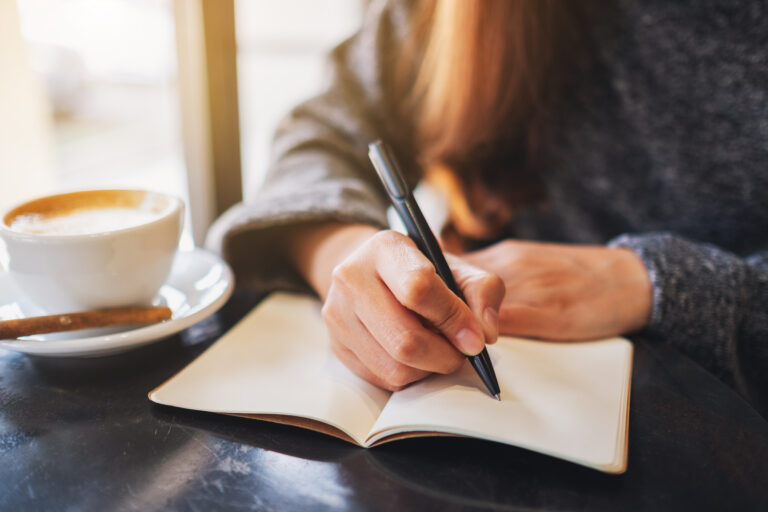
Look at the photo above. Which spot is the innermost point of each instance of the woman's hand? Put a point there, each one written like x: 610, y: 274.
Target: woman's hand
x: 391, y: 318
x: 567, y: 292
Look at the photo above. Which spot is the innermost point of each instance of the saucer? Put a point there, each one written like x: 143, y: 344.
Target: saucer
x: 199, y: 284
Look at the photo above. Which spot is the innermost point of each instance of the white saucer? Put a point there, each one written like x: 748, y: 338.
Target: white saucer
x: 199, y: 284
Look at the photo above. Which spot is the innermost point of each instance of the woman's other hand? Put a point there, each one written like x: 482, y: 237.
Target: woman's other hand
x: 391, y: 318
x: 567, y: 292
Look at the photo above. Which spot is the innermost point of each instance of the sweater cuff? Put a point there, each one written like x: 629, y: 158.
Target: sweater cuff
x: 250, y: 236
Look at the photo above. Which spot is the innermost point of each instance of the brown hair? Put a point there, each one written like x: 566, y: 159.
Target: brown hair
x: 489, y: 75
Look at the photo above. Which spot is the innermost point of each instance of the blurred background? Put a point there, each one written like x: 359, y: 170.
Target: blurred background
x: 153, y: 93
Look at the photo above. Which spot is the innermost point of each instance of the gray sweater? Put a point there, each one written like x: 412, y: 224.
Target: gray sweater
x: 664, y: 151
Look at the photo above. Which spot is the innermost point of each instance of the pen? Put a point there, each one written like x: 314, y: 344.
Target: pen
x: 418, y: 229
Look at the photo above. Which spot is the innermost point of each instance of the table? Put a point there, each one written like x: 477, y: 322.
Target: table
x: 80, y: 434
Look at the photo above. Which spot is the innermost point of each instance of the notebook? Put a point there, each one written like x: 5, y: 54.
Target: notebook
x: 567, y: 400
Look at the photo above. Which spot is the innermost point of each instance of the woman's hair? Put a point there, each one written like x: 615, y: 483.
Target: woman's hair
x: 488, y: 75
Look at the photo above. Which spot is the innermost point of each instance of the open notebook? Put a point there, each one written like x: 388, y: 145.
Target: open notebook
x: 568, y: 400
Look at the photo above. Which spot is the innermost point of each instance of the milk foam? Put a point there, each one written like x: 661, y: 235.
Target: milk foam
x: 83, y: 222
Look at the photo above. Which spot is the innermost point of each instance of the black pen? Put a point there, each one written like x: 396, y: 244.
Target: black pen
x: 418, y: 229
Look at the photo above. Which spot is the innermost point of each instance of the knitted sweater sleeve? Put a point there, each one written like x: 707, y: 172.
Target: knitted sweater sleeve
x: 712, y: 305
x: 319, y: 168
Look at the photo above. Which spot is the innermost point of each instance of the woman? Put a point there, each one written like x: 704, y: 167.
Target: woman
x: 610, y: 157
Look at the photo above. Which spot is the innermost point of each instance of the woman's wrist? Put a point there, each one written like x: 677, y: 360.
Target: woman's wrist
x: 638, y: 300
x: 316, y: 249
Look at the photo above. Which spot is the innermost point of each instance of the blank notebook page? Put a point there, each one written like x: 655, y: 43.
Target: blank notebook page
x: 277, y: 360
x: 565, y: 399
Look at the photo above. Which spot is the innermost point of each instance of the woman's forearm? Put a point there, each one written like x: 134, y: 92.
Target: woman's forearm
x: 317, y: 248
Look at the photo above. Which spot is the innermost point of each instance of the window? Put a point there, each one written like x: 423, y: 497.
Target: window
x: 281, y: 57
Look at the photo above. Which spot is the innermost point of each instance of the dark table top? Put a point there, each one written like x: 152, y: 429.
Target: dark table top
x: 80, y: 434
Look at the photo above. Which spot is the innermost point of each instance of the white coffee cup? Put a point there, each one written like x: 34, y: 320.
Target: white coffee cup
x: 92, y: 249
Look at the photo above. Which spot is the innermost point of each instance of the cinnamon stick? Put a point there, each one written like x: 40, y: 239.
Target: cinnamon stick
x: 10, y: 329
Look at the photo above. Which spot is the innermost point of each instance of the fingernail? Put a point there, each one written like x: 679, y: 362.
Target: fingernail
x: 469, y: 341
x: 491, y: 318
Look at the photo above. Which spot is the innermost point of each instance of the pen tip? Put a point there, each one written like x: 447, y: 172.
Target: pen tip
x: 497, y: 397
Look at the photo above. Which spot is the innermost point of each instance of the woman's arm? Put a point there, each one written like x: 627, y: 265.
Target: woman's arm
x: 319, y: 170
x: 315, y: 224
x: 707, y: 302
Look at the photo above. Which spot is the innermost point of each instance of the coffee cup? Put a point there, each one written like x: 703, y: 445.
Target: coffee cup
x: 92, y: 249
